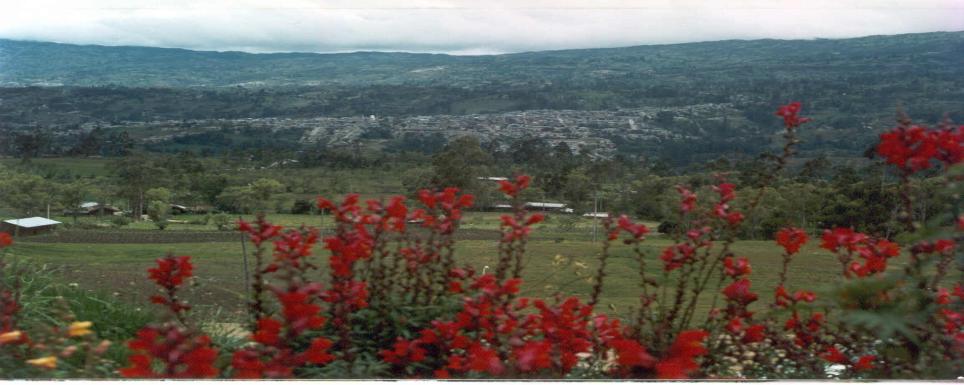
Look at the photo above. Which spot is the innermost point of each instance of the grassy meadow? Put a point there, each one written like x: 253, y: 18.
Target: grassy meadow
x: 560, y: 259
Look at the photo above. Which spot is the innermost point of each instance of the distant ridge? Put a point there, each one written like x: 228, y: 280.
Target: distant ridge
x: 24, y: 63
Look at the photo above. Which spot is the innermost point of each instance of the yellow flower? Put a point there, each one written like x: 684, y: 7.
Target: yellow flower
x: 78, y: 329
x: 10, y: 336
x: 48, y: 362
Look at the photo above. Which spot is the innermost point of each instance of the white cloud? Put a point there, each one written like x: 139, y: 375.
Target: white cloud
x: 459, y: 26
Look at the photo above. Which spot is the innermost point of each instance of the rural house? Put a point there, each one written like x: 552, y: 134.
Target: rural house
x: 28, y: 226
x: 93, y: 208
x: 548, y: 206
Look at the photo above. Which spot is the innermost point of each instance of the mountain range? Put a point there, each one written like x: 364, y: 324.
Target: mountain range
x: 852, y: 87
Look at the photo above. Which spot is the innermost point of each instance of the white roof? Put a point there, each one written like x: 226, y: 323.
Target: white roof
x: 596, y: 215
x: 492, y: 178
x: 87, y: 205
x: 31, y: 222
x: 545, y: 204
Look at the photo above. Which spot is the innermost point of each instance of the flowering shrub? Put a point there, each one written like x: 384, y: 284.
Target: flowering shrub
x: 393, y: 302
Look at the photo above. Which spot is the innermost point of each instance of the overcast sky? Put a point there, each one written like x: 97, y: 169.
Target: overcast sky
x: 459, y: 26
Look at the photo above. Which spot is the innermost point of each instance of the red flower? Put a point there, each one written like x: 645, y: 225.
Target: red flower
x: 5, y: 240
x: 736, y: 267
x: 264, y: 230
x: 754, y: 333
x: 167, y: 351
x: 676, y: 256
x: 791, y: 239
x: 631, y: 354
x: 535, y: 218
x: 781, y: 297
x: 636, y: 230
x: 533, y: 356
x: 726, y: 191
x: 839, y: 237
x: 268, y: 331
x: 789, y: 114
x: 805, y: 296
x: 734, y: 218
x: 680, y: 360
x: 739, y: 291
x: 835, y: 356
x: 688, y: 199
x: 403, y: 351
x: 171, y: 271
x: 512, y: 188
x: 865, y: 363
x: 908, y: 148
x: 484, y: 360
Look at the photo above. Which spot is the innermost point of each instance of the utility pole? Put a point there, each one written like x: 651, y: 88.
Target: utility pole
x: 244, y: 256
x: 595, y: 213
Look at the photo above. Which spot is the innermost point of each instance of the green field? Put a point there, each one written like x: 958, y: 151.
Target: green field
x: 72, y: 166
x: 119, y: 268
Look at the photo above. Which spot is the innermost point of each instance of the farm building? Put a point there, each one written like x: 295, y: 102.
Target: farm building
x: 534, y: 206
x: 596, y: 215
x: 179, y: 209
x: 93, y: 208
x: 28, y: 226
x: 547, y: 206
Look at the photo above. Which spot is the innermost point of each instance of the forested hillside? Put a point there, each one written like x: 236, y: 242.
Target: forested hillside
x: 853, y: 86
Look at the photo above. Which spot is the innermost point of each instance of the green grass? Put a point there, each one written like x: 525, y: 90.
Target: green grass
x: 119, y: 269
x: 62, y: 166
x: 581, y: 227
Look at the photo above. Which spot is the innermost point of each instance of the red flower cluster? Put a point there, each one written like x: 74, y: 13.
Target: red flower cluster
x: 5, y: 240
x: 278, y: 351
x: 680, y: 254
x: 444, y: 209
x: 465, y: 344
x: 292, y: 247
x: 169, y: 351
x: 875, y: 252
x: 677, y: 255
x: 952, y: 316
x: 276, y: 354
x: 913, y: 148
x: 262, y: 232
x: 516, y: 230
x: 727, y: 192
x: 736, y: 267
x: 688, y: 199
x: 352, y: 242
x: 637, y: 231
x: 739, y: 292
x: 842, y: 237
x: 513, y: 188
x: 863, y: 363
x: 739, y: 297
x: 783, y: 299
x: 170, y: 273
x: 791, y: 238
x: 875, y: 255
x: 681, y: 359
x: 790, y: 114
